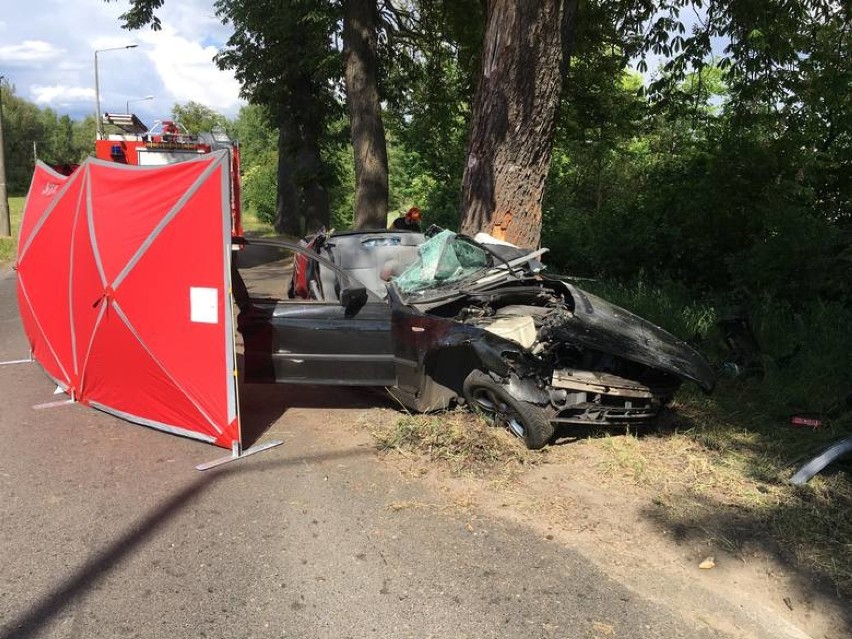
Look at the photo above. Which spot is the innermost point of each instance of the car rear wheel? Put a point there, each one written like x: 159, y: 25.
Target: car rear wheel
x: 528, y: 421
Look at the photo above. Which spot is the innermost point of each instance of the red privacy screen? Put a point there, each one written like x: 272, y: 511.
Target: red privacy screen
x: 124, y: 291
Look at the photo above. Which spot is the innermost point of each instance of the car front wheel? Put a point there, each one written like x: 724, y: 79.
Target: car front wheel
x: 528, y: 421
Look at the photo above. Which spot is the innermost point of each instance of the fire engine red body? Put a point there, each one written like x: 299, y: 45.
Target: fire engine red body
x: 166, y: 144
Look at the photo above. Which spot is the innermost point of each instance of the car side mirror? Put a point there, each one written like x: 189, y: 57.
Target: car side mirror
x: 352, y: 299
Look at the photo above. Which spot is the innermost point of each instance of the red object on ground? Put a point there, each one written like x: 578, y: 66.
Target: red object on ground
x: 808, y: 422
x: 124, y: 291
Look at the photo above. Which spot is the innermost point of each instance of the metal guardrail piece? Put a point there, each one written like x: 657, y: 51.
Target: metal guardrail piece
x: 830, y: 453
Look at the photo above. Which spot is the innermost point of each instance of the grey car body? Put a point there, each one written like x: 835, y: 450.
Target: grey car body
x: 447, y: 320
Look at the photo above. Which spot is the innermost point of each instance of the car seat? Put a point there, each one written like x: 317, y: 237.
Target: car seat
x: 374, y: 259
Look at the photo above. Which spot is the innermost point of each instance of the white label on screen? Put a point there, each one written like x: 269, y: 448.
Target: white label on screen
x: 203, y: 304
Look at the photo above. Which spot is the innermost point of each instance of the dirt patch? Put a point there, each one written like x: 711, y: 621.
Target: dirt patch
x: 651, y: 511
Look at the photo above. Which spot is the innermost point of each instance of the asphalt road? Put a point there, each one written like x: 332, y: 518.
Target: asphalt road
x: 106, y: 530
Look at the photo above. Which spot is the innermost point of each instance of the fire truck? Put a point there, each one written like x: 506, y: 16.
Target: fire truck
x: 166, y: 143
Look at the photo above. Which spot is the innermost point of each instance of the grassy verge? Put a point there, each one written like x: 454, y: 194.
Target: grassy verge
x: 254, y: 226
x: 722, y: 467
x: 9, y: 245
x: 719, y: 474
x: 461, y: 442
x: 707, y: 475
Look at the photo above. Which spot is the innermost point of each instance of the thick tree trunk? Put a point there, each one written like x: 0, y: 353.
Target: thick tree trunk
x: 314, y: 195
x: 309, y: 166
x: 513, y: 121
x: 287, y: 218
x: 365, y: 117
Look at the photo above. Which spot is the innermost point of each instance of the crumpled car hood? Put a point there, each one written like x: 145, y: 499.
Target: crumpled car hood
x: 606, y: 327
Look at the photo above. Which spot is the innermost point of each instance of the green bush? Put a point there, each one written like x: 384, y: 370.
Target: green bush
x: 666, y: 304
x: 798, y: 257
x: 806, y: 357
x: 804, y: 349
x: 259, y: 187
x: 735, y: 211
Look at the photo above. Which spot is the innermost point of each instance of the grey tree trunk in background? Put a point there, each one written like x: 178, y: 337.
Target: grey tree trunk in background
x: 287, y: 214
x: 314, y: 195
x: 365, y: 117
x: 513, y: 121
x: 302, y: 203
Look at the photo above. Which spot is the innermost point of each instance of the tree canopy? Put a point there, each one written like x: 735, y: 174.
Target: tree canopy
x: 715, y: 167
x: 32, y: 133
x: 196, y: 117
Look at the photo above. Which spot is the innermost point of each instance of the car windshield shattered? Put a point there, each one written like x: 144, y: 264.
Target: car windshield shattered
x: 444, y: 261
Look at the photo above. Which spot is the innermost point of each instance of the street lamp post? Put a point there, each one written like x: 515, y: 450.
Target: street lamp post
x: 127, y: 102
x: 100, y: 125
x: 5, y: 222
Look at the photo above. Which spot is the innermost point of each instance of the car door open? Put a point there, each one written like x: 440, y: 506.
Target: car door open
x: 341, y: 339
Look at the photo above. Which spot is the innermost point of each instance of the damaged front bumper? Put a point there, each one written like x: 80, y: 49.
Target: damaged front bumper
x: 588, y: 397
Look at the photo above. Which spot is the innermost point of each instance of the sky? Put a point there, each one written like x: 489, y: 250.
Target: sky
x: 47, y: 53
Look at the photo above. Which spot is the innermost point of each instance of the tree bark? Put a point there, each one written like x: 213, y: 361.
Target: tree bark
x: 314, y: 195
x: 308, y: 161
x: 514, y: 114
x: 287, y: 216
x: 365, y: 117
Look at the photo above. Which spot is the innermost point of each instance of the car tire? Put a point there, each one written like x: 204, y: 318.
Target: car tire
x: 528, y: 421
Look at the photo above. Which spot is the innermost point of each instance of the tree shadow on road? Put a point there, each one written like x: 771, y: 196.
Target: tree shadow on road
x: 719, y: 483
x: 793, y: 533
x: 261, y: 405
x: 100, y: 565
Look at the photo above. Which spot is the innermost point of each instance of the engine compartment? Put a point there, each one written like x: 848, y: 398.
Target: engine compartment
x: 580, y: 384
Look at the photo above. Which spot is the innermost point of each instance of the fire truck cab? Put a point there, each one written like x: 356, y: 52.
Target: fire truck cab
x: 165, y: 143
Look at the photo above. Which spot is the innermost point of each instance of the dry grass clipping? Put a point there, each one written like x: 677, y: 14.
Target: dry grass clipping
x: 460, y: 441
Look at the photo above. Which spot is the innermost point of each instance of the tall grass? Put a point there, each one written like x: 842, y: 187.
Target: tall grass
x: 9, y: 245
x: 808, y: 358
x: 804, y: 352
x: 254, y: 226
x: 666, y: 304
x: 463, y: 442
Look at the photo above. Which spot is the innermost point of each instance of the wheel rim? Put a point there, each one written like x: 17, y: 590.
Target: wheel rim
x: 492, y: 404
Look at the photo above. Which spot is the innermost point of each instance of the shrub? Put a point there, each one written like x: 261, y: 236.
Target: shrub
x: 259, y: 187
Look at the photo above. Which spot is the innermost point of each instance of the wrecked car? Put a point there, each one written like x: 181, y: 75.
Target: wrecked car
x: 447, y: 320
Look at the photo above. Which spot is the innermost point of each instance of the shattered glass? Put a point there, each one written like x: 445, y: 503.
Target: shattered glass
x: 442, y: 260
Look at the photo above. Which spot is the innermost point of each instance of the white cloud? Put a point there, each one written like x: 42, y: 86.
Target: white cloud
x: 187, y: 70
x: 196, y: 20
x: 76, y: 66
x: 29, y: 51
x: 48, y: 46
x: 61, y: 94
